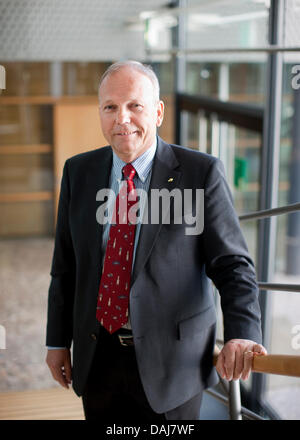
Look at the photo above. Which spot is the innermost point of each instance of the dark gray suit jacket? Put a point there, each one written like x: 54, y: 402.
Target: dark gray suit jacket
x: 171, y: 300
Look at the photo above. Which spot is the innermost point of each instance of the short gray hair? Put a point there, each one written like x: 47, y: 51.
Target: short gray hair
x: 136, y: 65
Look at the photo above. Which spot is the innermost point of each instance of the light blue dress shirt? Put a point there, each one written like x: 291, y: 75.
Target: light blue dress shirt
x: 143, y: 167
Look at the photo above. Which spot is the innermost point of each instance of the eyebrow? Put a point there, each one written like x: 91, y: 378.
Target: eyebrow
x: 108, y: 101
x: 111, y: 101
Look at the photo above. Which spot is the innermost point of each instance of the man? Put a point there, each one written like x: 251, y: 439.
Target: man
x: 152, y: 359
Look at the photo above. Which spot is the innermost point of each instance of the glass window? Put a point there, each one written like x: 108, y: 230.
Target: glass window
x: 282, y: 392
x: 231, y: 23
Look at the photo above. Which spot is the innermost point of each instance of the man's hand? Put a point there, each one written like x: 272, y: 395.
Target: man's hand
x: 59, y: 362
x: 235, y: 359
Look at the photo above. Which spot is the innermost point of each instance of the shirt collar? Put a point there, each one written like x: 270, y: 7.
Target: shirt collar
x: 142, y: 164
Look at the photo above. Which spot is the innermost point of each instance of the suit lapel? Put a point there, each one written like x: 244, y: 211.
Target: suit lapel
x: 164, y: 175
x: 97, y: 179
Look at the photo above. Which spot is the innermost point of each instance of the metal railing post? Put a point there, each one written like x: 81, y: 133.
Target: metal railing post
x: 235, y: 406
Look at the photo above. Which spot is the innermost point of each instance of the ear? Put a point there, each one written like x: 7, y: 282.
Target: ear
x: 160, y: 113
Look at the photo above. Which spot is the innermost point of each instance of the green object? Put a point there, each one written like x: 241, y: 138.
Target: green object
x: 240, y: 172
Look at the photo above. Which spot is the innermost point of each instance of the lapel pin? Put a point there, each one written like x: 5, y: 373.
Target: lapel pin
x: 171, y: 179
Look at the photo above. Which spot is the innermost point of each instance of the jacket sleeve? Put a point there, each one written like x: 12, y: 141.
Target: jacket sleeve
x: 227, y: 260
x: 63, y: 273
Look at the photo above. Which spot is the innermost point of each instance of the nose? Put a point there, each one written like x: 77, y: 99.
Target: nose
x: 122, y: 116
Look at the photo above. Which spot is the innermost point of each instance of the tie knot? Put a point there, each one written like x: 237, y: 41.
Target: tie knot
x: 129, y: 171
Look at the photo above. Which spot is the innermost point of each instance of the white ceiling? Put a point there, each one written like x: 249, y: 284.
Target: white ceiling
x: 71, y: 30
x: 97, y: 30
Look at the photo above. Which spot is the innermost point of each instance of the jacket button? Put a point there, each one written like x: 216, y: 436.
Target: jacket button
x: 94, y: 336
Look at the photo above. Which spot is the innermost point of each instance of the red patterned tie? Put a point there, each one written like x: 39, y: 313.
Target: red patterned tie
x: 113, y: 299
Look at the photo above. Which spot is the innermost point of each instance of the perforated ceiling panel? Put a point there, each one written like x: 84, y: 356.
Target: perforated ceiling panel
x: 291, y: 25
x: 71, y: 30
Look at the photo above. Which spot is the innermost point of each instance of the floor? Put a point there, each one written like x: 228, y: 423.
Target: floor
x: 24, y: 281
x: 61, y: 404
x: 48, y: 404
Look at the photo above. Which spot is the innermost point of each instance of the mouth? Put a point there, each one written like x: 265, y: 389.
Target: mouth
x: 126, y: 133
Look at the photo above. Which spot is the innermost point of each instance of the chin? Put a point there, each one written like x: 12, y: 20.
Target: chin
x: 126, y: 149
x: 124, y: 153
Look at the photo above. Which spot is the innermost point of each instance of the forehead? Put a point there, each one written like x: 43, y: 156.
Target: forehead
x: 126, y: 82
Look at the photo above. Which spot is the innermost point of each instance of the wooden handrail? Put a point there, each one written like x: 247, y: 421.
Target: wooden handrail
x: 285, y: 365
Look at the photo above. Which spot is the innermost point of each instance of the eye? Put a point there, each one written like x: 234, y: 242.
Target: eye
x: 137, y: 106
x: 109, y: 107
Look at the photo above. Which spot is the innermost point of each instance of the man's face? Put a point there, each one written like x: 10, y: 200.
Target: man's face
x: 129, y: 112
